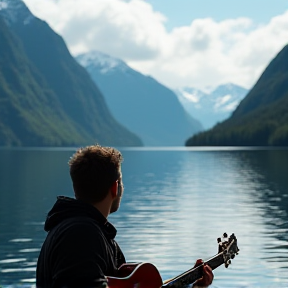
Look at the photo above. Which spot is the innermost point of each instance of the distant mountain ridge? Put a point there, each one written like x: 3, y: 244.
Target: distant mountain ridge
x: 139, y: 102
x: 47, y: 98
x: 261, y: 119
x: 211, y: 107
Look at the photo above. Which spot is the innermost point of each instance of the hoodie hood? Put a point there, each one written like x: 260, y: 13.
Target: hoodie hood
x: 66, y: 207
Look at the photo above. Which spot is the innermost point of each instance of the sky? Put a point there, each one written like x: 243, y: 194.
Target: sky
x: 180, y: 43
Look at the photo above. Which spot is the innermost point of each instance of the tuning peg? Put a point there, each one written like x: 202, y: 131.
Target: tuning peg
x: 225, y: 235
x: 219, y: 240
x: 227, y: 263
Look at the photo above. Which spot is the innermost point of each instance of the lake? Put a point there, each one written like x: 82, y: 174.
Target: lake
x: 177, y: 202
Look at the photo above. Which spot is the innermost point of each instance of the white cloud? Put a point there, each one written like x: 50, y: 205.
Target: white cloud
x: 126, y: 30
x: 204, y: 53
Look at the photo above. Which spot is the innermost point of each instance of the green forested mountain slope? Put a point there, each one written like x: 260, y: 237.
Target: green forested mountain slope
x: 271, y: 86
x: 29, y: 110
x: 47, y: 98
x: 261, y: 119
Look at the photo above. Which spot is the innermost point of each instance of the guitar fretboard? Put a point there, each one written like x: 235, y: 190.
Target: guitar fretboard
x: 193, y: 274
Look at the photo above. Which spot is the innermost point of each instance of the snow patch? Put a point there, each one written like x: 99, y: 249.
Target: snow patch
x: 210, y: 108
x: 190, y: 96
x: 221, y: 101
x: 99, y: 59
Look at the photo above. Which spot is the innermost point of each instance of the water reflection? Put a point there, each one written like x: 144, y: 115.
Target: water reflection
x: 175, y: 205
x: 207, y: 193
x: 271, y: 196
x: 29, y: 180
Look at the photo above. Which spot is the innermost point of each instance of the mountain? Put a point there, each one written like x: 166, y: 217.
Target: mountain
x: 47, y: 98
x: 261, y: 118
x: 213, y: 107
x: 29, y: 111
x: 139, y: 102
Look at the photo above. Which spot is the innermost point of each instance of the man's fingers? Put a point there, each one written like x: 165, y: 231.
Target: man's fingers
x: 207, y: 275
x: 198, y: 262
x: 207, y: 278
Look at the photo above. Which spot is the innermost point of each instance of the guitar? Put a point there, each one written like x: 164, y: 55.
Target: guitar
x: 146, y: 275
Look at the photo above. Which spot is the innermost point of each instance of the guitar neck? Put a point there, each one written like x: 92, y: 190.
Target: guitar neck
x: 194, y: 274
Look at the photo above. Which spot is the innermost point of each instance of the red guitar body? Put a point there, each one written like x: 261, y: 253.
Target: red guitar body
x: 144, y: 275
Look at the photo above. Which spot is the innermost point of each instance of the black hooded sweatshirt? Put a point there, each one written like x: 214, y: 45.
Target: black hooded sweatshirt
x: 79, y: 249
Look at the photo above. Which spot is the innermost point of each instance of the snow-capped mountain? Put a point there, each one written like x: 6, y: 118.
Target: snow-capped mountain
x: 211, y: 107
x: 139, y: 102
x: 103, y: 63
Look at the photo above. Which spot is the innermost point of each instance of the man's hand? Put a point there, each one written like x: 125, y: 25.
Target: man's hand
x: 208, y: 276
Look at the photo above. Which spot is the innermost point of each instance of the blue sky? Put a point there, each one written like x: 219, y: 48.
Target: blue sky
x: 182, y: 12
x: 194, y: 43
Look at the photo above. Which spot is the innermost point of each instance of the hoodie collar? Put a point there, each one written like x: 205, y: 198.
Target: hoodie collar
x: 66, y: 207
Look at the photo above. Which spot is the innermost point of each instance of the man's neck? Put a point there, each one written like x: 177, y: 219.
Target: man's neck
x: 103, y: 208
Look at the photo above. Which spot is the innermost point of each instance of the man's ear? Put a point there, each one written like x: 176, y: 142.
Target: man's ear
x: 114, y: 189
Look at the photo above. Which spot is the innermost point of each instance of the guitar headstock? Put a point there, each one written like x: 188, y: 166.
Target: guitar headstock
x: 228, y: 245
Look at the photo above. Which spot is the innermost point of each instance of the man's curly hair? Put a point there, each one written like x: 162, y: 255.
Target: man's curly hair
x: 93, y: 170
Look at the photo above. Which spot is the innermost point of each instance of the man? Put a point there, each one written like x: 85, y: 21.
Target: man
x: 80, y: 250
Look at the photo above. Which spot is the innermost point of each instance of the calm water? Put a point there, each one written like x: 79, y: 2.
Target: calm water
x: 176, y: 203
